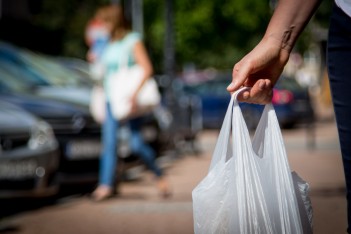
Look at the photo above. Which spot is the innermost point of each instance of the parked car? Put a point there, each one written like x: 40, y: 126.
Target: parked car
x: 80, y: 67
x: 291, y: 102
x: 42, y: 68
x: 77, y: 133
x: 65, y: 105
x: 29, y: 156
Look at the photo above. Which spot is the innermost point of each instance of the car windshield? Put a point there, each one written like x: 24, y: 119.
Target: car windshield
x: 41, y: 69
x: 216, y: 86
x: 209, y: 88
x: 17, y: 80
x: 55, y: 73
x: 10, y: 83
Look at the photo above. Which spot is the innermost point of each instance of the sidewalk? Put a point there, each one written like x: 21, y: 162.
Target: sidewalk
x: 138, y: 210
x: 322, y: 169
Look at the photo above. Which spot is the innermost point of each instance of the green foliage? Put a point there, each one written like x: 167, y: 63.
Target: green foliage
x: 323, y: 13
x: 69, y: 17
x: 212, y: 33
x: 207, y: 33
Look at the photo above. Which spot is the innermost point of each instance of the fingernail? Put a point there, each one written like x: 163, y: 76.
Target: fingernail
x: 261, y: 84
x: 231, y: 86
x: 246, y: 95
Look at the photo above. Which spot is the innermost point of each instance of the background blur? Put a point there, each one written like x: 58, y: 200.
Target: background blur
x: 205, y: 33
x: 50, y: 144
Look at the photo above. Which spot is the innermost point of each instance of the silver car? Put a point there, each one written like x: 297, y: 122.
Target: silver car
x: 29, y: 154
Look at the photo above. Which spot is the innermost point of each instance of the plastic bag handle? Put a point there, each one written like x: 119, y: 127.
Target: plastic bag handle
x: 236, y: 93
x: 222, y: 146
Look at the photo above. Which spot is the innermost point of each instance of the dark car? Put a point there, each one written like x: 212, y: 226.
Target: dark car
x: 77, y: 133
x: 29, y: 156
x: 291, y: 102
x: 64, y: 103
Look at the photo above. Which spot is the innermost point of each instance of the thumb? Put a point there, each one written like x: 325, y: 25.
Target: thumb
x: 239, y: 76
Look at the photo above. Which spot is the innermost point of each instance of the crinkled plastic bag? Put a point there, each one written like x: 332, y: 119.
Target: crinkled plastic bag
x: 249, y: 187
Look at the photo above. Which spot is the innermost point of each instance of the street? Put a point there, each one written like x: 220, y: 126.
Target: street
x: 139, y: 209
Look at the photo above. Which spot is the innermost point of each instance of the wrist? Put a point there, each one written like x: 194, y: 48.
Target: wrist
x: 282, y: 42
x: 275, y: 50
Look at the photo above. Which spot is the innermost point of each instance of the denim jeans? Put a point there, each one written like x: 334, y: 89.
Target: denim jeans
x: 339, y: 68
x: 109, y: 158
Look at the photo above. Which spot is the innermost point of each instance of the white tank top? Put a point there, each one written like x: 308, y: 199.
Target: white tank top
x: 345, y: 5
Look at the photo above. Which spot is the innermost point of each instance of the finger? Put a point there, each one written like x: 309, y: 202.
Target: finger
x: 244, y: 96
x: 269, y: 96
x: 239, y: 75
x: 256, y: 93
x: 267, y: 93
x: 260, y: 93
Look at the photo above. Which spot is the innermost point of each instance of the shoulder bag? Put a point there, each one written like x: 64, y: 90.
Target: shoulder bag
x: 123, y: 84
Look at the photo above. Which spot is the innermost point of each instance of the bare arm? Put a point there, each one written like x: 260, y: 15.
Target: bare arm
x: 261, y: 68
x: 289, y: 19
x: 142, y: 59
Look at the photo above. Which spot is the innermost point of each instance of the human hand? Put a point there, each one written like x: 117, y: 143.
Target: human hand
x: 260, y: 70
x: 133, y: 104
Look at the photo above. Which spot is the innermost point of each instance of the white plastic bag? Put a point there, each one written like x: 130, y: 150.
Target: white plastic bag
x: 249, y: 187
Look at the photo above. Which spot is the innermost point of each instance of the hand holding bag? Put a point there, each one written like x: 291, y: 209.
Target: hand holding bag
x: 249, y: 188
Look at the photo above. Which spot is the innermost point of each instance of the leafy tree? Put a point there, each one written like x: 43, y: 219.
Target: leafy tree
x: 217, y: 33
x: 70, y: 18
x: 214, y: 33
x: 208, y: 33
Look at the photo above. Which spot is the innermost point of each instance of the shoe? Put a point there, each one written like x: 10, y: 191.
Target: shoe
x: 102, y: 192
x: 164, y: 188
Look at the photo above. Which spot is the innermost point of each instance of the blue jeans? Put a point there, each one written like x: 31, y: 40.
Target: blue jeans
x: 109, y: 158
x: 339, y: 68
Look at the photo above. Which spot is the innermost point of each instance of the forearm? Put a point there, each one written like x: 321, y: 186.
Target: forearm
x: 288, y: 21
x: 147, y: 73
x: 144, y: 62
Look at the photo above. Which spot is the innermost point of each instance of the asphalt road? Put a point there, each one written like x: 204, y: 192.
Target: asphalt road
x: 138, y: 209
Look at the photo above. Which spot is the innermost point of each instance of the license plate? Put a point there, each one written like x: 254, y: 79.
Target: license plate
x: 17, y: 169
x: 84, y: 149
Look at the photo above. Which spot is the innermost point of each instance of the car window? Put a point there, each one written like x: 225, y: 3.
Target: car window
x: 9, y: 84
x: 55, y: 73
x: 21, y: 74
x: 217, y: 87
x: 41, y: 69
x: 19, y: 70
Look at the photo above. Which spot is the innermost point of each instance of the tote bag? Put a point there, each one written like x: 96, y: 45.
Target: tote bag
x: 123, y: 84
x: 97, y: 105
x: 249, y: 188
